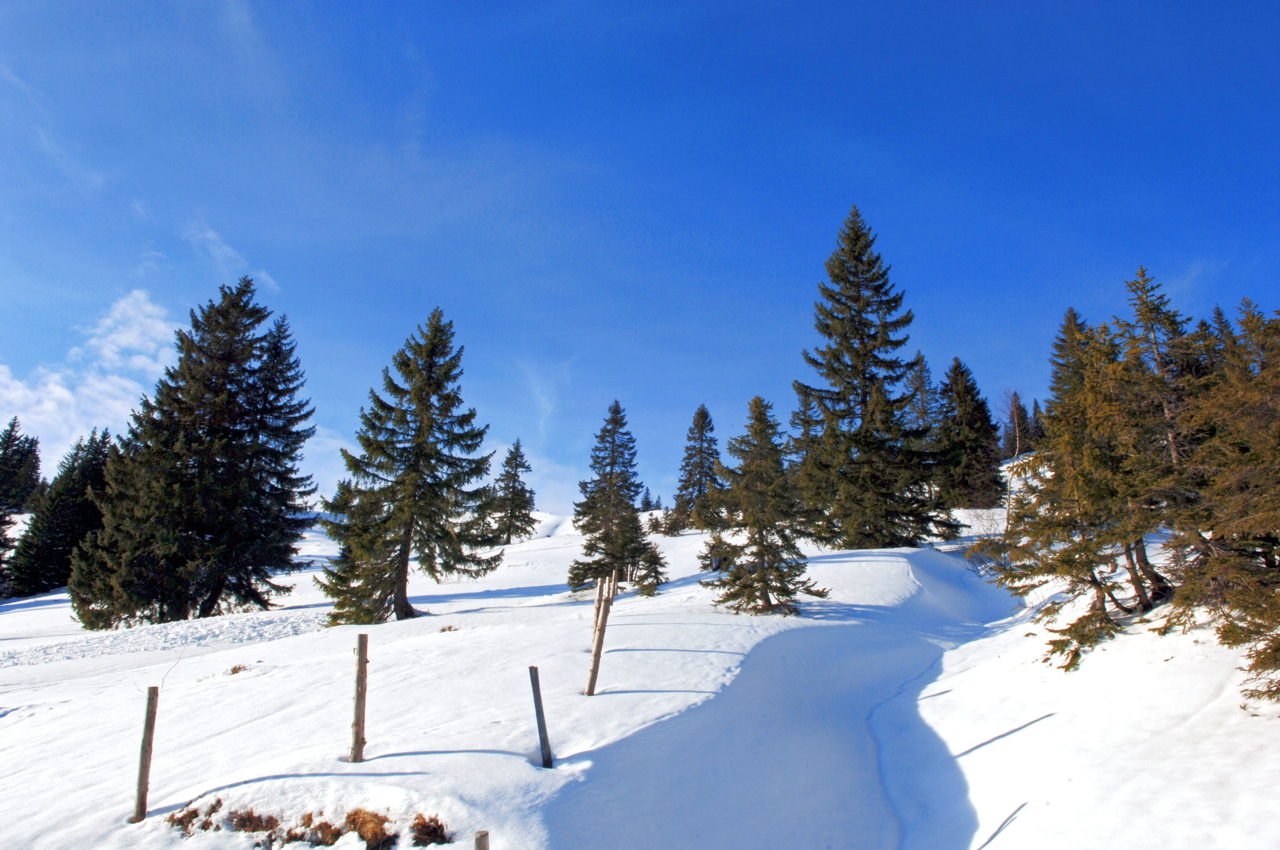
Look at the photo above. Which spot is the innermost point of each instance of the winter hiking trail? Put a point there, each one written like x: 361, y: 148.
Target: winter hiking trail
x: 816, y: 743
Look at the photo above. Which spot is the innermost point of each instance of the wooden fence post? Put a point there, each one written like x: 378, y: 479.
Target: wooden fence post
x: 362, y: 691
x: 543, y: 740
x: 482, y: 840
x: 144, y: 762
x: 595, y: 619
x: 597, y: 646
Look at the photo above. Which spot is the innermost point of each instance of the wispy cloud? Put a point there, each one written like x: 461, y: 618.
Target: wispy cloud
x: 31, y: 116
x: 100, y: 382
x: 229, y: 262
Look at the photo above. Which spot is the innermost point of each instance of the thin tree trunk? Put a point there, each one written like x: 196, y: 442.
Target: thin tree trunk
x: 1144, y: 602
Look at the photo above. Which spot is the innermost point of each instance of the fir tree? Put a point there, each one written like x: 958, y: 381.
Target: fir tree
x: 864, y: 482
x: 19, y: 467
x: 607, y: 514
x: 513, y: 499
x: 203, y: 499
x: 413, y: 491
x: 63, y: 518
x: 646, y: 501
x: 700, y: 484
x: 764, y: 572
x: 968, y: 444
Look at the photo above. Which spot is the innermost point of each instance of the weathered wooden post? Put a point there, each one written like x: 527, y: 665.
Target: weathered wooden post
x: 144, y: 762
x: 362, y: 691
x: 482, y: 840
x: 543, y: 740
x: 597, y: 645
x: 600, y: 592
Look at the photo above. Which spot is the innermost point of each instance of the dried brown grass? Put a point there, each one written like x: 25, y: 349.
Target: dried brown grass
x: 427, y: 831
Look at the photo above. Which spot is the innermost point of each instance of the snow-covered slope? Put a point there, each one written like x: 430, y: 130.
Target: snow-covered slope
x: 886, y: 716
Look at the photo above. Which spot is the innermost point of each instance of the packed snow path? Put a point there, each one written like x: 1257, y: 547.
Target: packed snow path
x: 817, y: 743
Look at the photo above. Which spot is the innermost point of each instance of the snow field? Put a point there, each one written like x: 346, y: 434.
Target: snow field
x: 887, y: 716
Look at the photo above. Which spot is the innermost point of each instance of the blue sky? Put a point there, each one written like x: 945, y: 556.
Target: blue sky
x: 628, y: 201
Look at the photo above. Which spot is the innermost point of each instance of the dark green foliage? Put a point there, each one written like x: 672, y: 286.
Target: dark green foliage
x: 646, y: 501
x: 696, y: 493
x: 863, y: 477
x: 967, y: 444
x: 512, y: 498
x: 607, y: 514
x: 763, y: 573
x: 412, y: 491
x: 62, y: 518
x: 202, y: 504
x: 19, y: 468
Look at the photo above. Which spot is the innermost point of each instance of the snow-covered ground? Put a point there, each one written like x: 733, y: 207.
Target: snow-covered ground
x: 910, y: 709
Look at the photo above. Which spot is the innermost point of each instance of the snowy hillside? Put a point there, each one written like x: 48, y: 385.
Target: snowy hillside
x: 908, y: 710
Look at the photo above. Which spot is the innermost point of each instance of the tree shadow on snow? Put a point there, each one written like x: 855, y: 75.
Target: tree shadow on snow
x: 817, y: 743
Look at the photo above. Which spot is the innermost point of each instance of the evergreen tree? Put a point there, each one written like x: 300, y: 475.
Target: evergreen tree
x: 765, y: 572
x: 19, y: 467
x: 1228, y: 537
x: 203, y: 499
x: 1060, y: 520
x: 864, y: 482
x: 63, y: 518
x: 413, y: 491
x: 513, y: 499
x: 646, y: 501
x: 1017, y: 429
x: 1036, y: 433
x: 700, y: 484
x: 924, y: 408
x: 607, y: 514
x: 968, y: 443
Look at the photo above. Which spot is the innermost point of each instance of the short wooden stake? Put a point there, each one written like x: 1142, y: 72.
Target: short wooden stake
x: 543, y: 740
x: 362, y: 691
x: 482, y: 840
x: 144, y: 762
x: 597, y: 647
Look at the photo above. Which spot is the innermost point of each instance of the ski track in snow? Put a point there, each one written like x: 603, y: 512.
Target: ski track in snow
x: 246, y: 628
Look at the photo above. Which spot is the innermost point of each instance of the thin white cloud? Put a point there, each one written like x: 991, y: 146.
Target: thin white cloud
x: 98, y: 385
x: 229, y: 262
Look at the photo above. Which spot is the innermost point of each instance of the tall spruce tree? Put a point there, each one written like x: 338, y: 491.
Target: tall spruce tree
x: 764, y: 572
x: 607, y: 514
x: 513, y: 498
x: 699, y: 485
x: 203, y: 501
x: 864, y: 483
x: 968, y: 444
x: 62, y: 519
x: 414, y: 490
